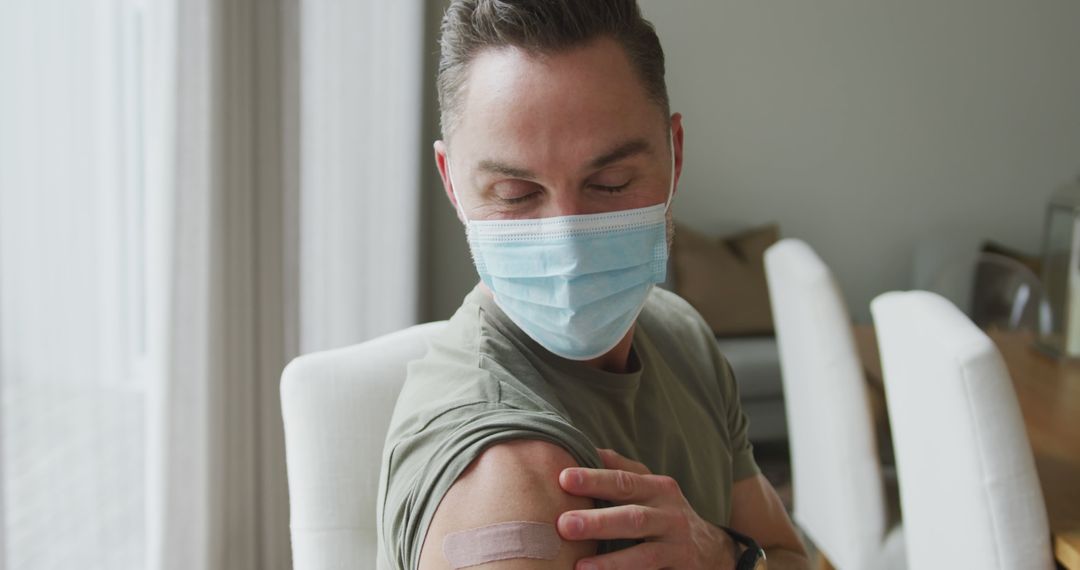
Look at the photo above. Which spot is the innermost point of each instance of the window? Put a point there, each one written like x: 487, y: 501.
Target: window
x: 72, y: 285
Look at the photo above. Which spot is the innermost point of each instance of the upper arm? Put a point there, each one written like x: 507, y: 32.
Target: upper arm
x: 736, y: 422
x: 511, y: 481
x: 757, y: 511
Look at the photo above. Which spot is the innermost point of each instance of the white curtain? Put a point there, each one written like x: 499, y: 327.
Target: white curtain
x: 73, y: 296
x: 261, y: 270
x: 204, y: 484
x: 361, y: 98
x: 191, y: 193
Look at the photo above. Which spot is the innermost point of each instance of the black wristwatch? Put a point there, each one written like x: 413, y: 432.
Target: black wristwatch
x: 753, y: 557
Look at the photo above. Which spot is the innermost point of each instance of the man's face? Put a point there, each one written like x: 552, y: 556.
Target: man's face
x: 571, y: 133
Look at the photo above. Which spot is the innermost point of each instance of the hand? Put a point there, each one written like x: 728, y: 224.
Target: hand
x: 649, y: 507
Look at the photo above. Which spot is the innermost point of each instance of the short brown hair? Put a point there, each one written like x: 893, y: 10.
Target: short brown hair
x: 542, y: 26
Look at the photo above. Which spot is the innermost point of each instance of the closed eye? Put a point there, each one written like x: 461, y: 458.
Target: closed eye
x: 519, y: 199
x: 611, y: 189
x: 511, y: 192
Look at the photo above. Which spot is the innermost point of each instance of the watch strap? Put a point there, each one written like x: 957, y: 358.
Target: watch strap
x: 753, y: 553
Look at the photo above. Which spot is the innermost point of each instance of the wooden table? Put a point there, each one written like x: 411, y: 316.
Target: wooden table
x: 1048, y: 391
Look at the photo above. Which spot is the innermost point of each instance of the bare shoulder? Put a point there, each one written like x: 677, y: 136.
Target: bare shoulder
x: 512, y: 481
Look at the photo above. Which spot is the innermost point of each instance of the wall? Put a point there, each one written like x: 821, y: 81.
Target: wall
x: 860, y: 127
x: 448, y: 270
x: 863, y: 126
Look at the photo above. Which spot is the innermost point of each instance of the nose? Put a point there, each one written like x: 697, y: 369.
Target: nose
x: 565, y: 201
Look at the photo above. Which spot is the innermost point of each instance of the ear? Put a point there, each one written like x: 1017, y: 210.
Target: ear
x: 443, y: 164
x: 677, y: 140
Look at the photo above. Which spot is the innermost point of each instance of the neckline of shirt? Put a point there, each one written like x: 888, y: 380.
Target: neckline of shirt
x: 626, y: 381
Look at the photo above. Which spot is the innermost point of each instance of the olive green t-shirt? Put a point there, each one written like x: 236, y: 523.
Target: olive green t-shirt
x: 484, y: 381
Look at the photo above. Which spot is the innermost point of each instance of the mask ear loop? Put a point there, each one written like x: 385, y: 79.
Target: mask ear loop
x: 671, y: 189
x: 453, y: 190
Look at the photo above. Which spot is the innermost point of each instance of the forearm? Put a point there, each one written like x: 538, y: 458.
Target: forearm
x: 784, y: 559
x: 758, y: 512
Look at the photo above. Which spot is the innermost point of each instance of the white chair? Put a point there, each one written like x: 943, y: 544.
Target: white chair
x: 968, y: 486
x: 336, y: 406
x: 840, y: 501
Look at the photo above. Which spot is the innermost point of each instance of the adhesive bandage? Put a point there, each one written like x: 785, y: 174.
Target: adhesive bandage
x: 502, y: 541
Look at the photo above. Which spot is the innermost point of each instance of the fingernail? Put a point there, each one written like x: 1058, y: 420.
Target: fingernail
x: 586, y: 566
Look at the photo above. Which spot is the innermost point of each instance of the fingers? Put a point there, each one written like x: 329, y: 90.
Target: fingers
x: 612, y: 460
x: 616, y: 485
x: 647, y: 556
x: 624, y: 521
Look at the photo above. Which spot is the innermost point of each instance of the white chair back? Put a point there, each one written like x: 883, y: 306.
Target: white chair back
x: 836, y: 470
x: 336, y: 406
x: 968, y: 487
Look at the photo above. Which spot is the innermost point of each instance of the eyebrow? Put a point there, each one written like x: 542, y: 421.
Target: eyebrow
x: 624, y: 150
x: 503, y: 169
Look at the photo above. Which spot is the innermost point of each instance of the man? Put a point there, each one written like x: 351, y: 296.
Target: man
x: 572, y: 415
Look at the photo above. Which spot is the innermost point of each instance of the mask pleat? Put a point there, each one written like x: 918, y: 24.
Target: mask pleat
x: 566, y: 256
x: 563, y: 292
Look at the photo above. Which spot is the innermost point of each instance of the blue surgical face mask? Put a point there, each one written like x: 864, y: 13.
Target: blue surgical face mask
x: 574, y: 284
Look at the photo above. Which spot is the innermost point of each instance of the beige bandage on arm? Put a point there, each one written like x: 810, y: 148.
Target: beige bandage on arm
x: 502, y: 541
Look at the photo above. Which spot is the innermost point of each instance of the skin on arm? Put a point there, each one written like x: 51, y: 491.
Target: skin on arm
x: 757, y: 511
x: 516, y: 480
